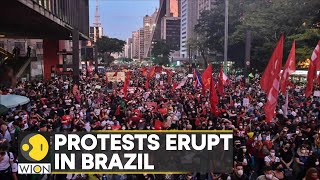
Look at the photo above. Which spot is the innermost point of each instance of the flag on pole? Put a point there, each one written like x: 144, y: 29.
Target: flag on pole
x: 150, y: 75
x: 289, y: 68
x: 169, y: 74
x: 213, y: 97
x: 273, y: 68
x: 197, y: 79
x: 174, y: 86
x: 126, y: 83
x: 182, y: 83
x: 144, y: 71
x: 206, y: 78
x: 223, y: 80
x: 312, y: 71
x: 270, y: 80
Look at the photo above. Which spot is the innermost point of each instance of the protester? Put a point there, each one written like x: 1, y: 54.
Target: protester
x: 283, y: 148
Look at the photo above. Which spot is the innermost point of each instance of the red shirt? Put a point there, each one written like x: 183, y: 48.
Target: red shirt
x: 67, y: 119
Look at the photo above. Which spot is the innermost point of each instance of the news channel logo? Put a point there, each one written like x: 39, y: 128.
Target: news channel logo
x: 34, y: 148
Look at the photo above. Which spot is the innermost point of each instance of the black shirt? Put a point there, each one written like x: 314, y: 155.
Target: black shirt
x: 286, y: 156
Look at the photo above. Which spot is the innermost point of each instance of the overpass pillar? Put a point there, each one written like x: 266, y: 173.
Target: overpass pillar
x: 50, y: 57
x: 75, y: 55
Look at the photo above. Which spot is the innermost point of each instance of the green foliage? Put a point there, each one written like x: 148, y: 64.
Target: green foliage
x: 106, y: 46
x: 161, y: 52
x: 267, y: 20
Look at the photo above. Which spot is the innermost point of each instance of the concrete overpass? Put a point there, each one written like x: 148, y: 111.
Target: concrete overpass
x: 50, y: 20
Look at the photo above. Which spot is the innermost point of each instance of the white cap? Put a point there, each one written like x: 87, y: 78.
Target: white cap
x: 16, y: 117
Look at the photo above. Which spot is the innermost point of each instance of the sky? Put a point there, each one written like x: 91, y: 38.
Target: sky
x: 120, y: 18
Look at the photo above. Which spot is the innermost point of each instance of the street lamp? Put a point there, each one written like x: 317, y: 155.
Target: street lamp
x: 226, y: 21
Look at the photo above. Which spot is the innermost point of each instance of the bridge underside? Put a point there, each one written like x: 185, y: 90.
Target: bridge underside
x: 31, y: 21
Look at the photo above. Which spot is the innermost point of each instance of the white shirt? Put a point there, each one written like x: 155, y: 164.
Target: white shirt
x: 268, y: 159
x: 5, y: 163
x: 15, y: 167
x: 87, y: 126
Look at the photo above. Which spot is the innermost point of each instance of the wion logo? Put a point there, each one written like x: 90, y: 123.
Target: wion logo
x: 33, y: 149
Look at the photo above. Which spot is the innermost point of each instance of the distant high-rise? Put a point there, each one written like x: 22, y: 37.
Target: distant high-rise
x: 172, y: 8
x: 204, y: 5
x: 128, y: 48
x: 189, y: 15
x: 170, y: 32
x: 96, y: 31
x: 148, y: 27
x: 141, y: 43
x: 135, y: 45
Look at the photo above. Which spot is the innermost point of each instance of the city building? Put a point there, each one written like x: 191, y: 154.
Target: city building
x: 128, y: 48
x: 167, y: 8
x: 96, y: 31
x: 135, y: 45
x: 172, y: 8
x: 170, y: 32
x: 141, y: 43
x: 189, y: 14
x: 204, y: 5
x: 148, y: 27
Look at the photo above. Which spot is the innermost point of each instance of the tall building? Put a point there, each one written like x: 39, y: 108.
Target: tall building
x: 189, y: 14
x: 170, y: 32
x: 204, y: 5
x: 141, y: 43
x: 128, y: 48
x: 135, y: 45
x: 96, y: 31
x: 148, y: 27
x: 168, y: 8
x: 172, y: 8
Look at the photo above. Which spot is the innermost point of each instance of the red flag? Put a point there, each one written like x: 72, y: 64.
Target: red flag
x: 274, y: 67
x: 207, y: 77
x: 150, y: 75
x: 169, y: 73
x: 222, y: 81
x: 270, y: 80
x: 158, y: 69
x: 289, y: 68
x: 312, y: 71
x: 213, y: 97
x: 174, y: 86
x: 117, y: 113
x: 126, y: 83
x: 144, y: 71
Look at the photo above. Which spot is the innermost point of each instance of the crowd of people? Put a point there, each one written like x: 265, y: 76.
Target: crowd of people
x: 286, y: 148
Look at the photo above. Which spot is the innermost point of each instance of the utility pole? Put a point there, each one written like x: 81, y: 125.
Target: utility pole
x: 247, y: 53
x: 226, y: 22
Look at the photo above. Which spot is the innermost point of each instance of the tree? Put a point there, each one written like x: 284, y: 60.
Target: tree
x: 106, y: 46
x: 210, y: 28
x: 199, y: 44
x: 161, y: 52
x: 267, y: 20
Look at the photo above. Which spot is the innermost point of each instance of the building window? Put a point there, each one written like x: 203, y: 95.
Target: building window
x: 39, y: 45
x: 20, y: 45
